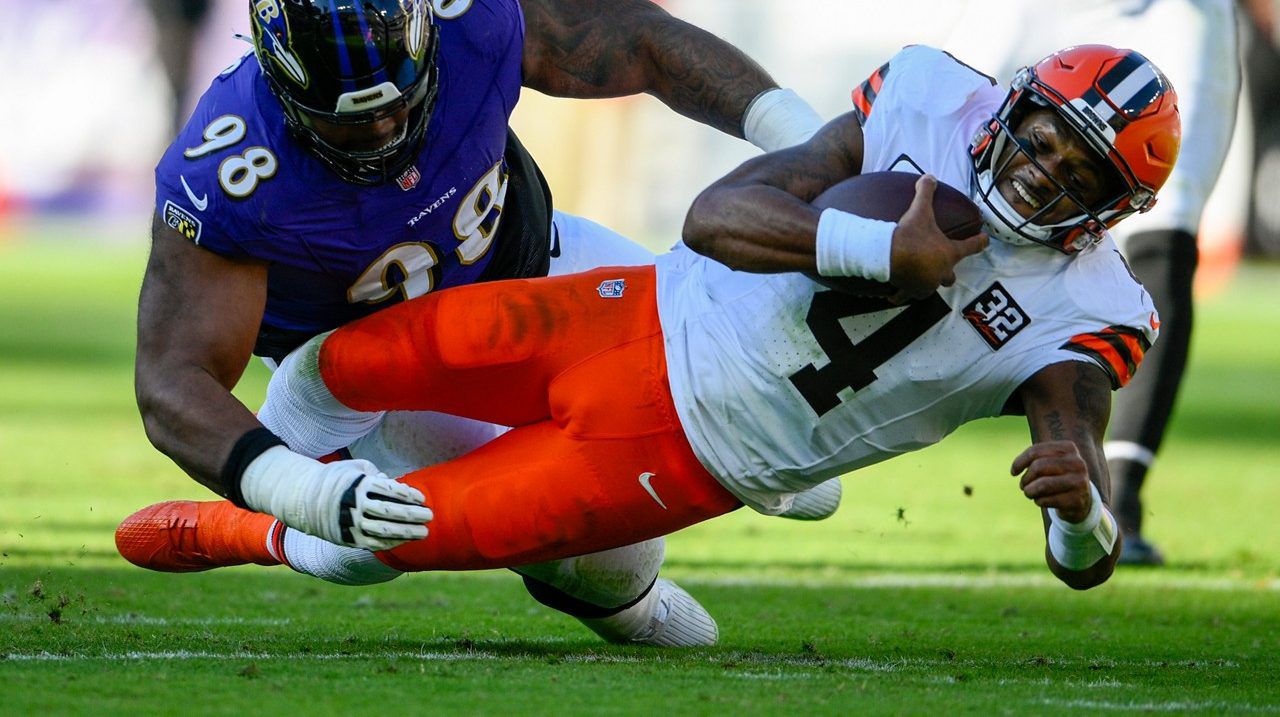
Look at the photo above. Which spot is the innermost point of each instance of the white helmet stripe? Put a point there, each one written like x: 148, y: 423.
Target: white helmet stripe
x: 1131, y: 86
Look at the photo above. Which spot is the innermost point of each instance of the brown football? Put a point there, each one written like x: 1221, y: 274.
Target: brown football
x: 886, y: 196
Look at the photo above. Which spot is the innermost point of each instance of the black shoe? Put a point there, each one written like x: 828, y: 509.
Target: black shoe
x: 1137, y: 551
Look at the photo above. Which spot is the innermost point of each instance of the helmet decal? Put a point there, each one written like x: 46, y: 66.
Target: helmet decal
x: 271, y: 23
x: 415, y: 31
x: 1125, y: 91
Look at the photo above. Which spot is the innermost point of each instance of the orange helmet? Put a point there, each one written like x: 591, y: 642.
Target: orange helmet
x: 1124, y: 108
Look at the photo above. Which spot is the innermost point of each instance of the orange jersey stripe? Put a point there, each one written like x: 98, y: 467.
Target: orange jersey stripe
x: 1108, y: 353
x: 864, y: 95
x: 1120, y: 348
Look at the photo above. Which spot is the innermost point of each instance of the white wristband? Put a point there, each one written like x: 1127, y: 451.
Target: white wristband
x: 1077, y: 546
x: 777, y: 119
x: 850, y: 245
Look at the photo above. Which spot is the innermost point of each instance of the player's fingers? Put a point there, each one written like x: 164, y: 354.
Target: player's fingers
x: 1052, y: 466
x: 393, y: 531
x: 1038, y: 450
x: 389, y: 510
x: 1054, y: 484
x: 395, y: 490
x: 970, y: 245
x: 922, y: 203
x: 1024, y: 459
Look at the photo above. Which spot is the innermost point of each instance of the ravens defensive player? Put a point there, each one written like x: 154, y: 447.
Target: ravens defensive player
x: 361, y: 156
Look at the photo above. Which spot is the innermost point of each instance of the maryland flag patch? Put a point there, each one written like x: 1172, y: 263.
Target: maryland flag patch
x: 865, y: 94
x: 1117, y: 349
x: 183, y: 221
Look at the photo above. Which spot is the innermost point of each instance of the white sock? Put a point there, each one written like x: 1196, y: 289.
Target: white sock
x: 300, y: 409
x: 310, y: 555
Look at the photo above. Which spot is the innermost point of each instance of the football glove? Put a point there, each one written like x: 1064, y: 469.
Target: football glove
x: 349, y: 503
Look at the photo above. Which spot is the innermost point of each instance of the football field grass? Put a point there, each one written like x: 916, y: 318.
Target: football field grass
x: 926, y: 593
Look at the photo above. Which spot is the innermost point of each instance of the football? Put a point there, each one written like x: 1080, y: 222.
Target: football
x: 886, y: 196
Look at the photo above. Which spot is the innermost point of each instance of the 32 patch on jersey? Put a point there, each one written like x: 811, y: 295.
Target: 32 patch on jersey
x: 996, y: 316
x: 182, y: 220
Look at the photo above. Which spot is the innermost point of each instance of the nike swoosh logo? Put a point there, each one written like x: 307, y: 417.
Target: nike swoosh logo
x: 555, y: 247
x: 1155, y: 323
x: 644, y: 483
x: 200, y: 203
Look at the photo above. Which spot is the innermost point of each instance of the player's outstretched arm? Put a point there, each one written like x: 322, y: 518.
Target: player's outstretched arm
x: 1065, y: 473
x: 611, y: 48
x: 198, y: 317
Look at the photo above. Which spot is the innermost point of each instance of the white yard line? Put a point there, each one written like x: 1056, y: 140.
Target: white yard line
x: 131, y: 619
x: 1212, y: 706
x: 951, y: 580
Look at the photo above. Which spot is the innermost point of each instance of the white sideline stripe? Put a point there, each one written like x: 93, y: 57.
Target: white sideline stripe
x: 1182, y: 706
x: 948, y: 580
x: 149, y: 620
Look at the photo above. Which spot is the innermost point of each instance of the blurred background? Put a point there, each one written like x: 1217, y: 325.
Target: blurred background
x: 95, y: 89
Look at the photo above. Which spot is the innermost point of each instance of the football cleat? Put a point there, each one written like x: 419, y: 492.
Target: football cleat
x: 818, y: 503
x: 1137, y: 551
x: 666, y: 617
x: 184, y: 536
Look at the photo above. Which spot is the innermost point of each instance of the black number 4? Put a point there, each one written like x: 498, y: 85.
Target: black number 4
x: 853, y: 365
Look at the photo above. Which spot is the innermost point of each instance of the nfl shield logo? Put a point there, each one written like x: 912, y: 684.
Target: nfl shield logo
x: 612, y: 289
x: 409, y: 179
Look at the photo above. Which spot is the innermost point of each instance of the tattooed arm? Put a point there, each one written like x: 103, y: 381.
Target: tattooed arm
x: 760, y: 218
x: 1067, y: 406
x: 610, y: 48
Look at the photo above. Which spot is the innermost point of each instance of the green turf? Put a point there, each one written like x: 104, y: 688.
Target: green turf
x: 926, y: 593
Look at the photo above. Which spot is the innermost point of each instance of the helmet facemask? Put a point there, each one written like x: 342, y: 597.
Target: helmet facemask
x: 997, y: 146
x: 353, y: 67
x: 1086, y: 222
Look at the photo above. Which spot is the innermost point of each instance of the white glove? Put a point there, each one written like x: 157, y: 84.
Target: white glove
x: 349, y: 503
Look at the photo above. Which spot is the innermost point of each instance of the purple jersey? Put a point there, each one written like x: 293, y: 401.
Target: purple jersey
x: 236, y: 183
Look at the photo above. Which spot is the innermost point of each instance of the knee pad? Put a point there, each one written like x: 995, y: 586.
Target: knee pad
x: 597, y: 584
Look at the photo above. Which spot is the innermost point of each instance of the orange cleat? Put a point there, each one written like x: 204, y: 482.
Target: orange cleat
x: 184, y: 536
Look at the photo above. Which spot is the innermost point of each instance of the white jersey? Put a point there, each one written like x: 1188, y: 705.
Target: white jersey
x: 781, y: 384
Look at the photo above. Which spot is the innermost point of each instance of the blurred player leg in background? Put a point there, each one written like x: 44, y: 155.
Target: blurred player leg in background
x: 1261, y: 44
x: 1194, y: 42
x: 177, y: 24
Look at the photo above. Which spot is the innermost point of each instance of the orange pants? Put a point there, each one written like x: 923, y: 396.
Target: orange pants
x: 596, y: 459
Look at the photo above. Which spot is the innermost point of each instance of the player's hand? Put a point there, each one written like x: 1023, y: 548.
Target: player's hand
x: 349, y: 502
x: 1055, y: 475
x: 922, y: 258
x: 378, y: 513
